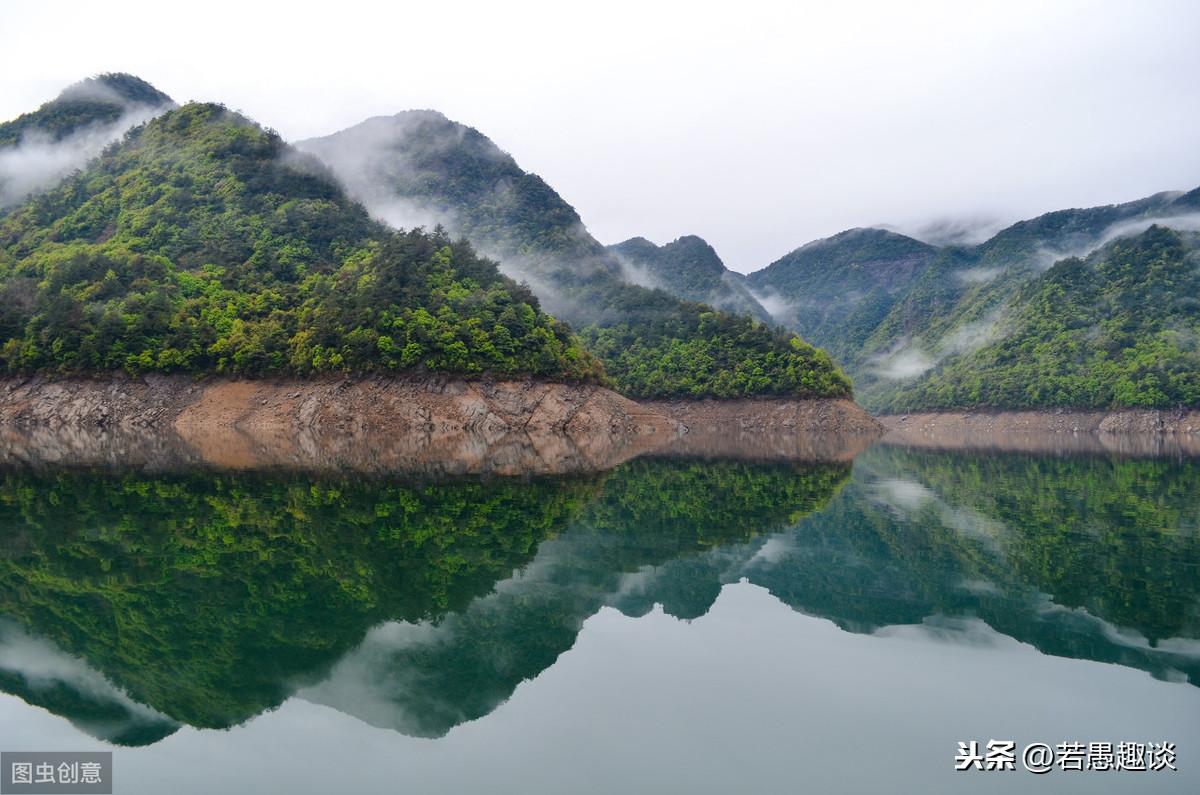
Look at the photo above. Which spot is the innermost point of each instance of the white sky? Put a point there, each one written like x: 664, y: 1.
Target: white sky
x: 758, y: 126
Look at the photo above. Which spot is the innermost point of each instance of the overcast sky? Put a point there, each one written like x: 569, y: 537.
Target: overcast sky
x: 756, y: 126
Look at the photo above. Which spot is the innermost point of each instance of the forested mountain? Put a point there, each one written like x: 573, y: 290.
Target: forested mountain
x: 200, y: 242
x: 841, y: 288
x: 205, y: 243
x: 39, y: 148
x: 420, y: 168
x: 690, y: 269
x: 892, y: 309
x: 1119, y: 328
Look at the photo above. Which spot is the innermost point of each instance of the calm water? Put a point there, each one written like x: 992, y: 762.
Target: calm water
x: 668, y: 626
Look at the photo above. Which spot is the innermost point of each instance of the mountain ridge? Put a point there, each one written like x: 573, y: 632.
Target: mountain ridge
x: 421, y: 168
x: 40, y: 148
x: 201, y: 244
x: 689, y: 268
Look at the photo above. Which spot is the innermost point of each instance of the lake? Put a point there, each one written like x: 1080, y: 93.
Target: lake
x: 683, y: 624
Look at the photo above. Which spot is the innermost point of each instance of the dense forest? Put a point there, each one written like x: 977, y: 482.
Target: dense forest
x: 688, y: 268
x: 204, y: 243
x: 96, y: 100
x: 1120, y: 328
x: 840, y: 289
x: 698, y: 352
x: 897, y: 313
x: 420, y: 167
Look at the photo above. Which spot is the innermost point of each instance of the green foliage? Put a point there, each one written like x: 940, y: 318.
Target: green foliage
x: 691, y: 351
x: 452, y: 173
x: 97, y: 100
x: 690, y: 269
x: 869, y: 295
x: 838, y: 290
x: 1121, y: 329
x: 203, y: 243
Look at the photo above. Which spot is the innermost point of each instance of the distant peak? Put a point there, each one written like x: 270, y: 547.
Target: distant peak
x: 117, y: 88
x: 863, y: 234
x: 425, y: 113
x: 638, y: 241
x: 866, y: 231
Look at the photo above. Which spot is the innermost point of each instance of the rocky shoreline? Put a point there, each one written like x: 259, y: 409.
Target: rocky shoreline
x: 431, y: 424
x: 1129, y: 431
x: 749, y: 415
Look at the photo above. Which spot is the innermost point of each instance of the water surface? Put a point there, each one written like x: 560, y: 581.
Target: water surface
x: 680, y: 624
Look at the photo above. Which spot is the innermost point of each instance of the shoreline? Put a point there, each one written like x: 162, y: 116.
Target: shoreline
x: 1122, y: 431
x: 429, y: 424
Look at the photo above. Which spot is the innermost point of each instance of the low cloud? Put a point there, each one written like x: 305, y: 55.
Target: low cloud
x: 38, y: 162
x: 635, y: 273
x: 978, y: 275
x: 904, y: 364
x: 908, y: 360
x: 970, y: 230
x: 1183, y: 222
x: 776, y: 305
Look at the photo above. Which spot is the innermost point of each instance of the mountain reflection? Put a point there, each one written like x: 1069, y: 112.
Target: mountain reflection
x: 208, y: 598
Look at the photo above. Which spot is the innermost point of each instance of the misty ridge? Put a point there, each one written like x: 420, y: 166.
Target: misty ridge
x: 279, y: 221
x: 40, y: 149
x: 38, y: 161
x: 909, y: 359
x: 892, y: 309
x: 420, y: 169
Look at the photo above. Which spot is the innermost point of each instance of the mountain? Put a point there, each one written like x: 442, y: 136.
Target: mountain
x: 204, y: 243
x: 688, y: 268
x: 958, y: 304
x: 839, y: 289
x: 1119, y: 328
x: 891, y: 308
x: 420, y: 169
x: 40, y: 148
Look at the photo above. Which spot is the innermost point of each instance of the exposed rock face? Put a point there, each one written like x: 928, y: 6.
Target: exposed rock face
x: 839, y: 417
x: 431, y: 425
x: 434, y: 425
x: 1127, y: 431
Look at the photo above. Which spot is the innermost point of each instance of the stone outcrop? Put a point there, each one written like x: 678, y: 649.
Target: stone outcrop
x: 1125, y: 431
x: 431, y: 424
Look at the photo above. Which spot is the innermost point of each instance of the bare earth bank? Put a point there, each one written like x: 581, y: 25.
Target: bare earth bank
x: 434, y: 425
x: 1131, y: 431
x: 769, y: 415
x: 429, y: 424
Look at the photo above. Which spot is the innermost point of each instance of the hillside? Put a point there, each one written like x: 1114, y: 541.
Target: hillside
x: 420, y: 169
x: 39, y: 148
x: 891, y: 309
x: 958, y: 303
x: 688, y: 268
x: 1120, y: 328
x: 839, y: 289
x: 203, y: 243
